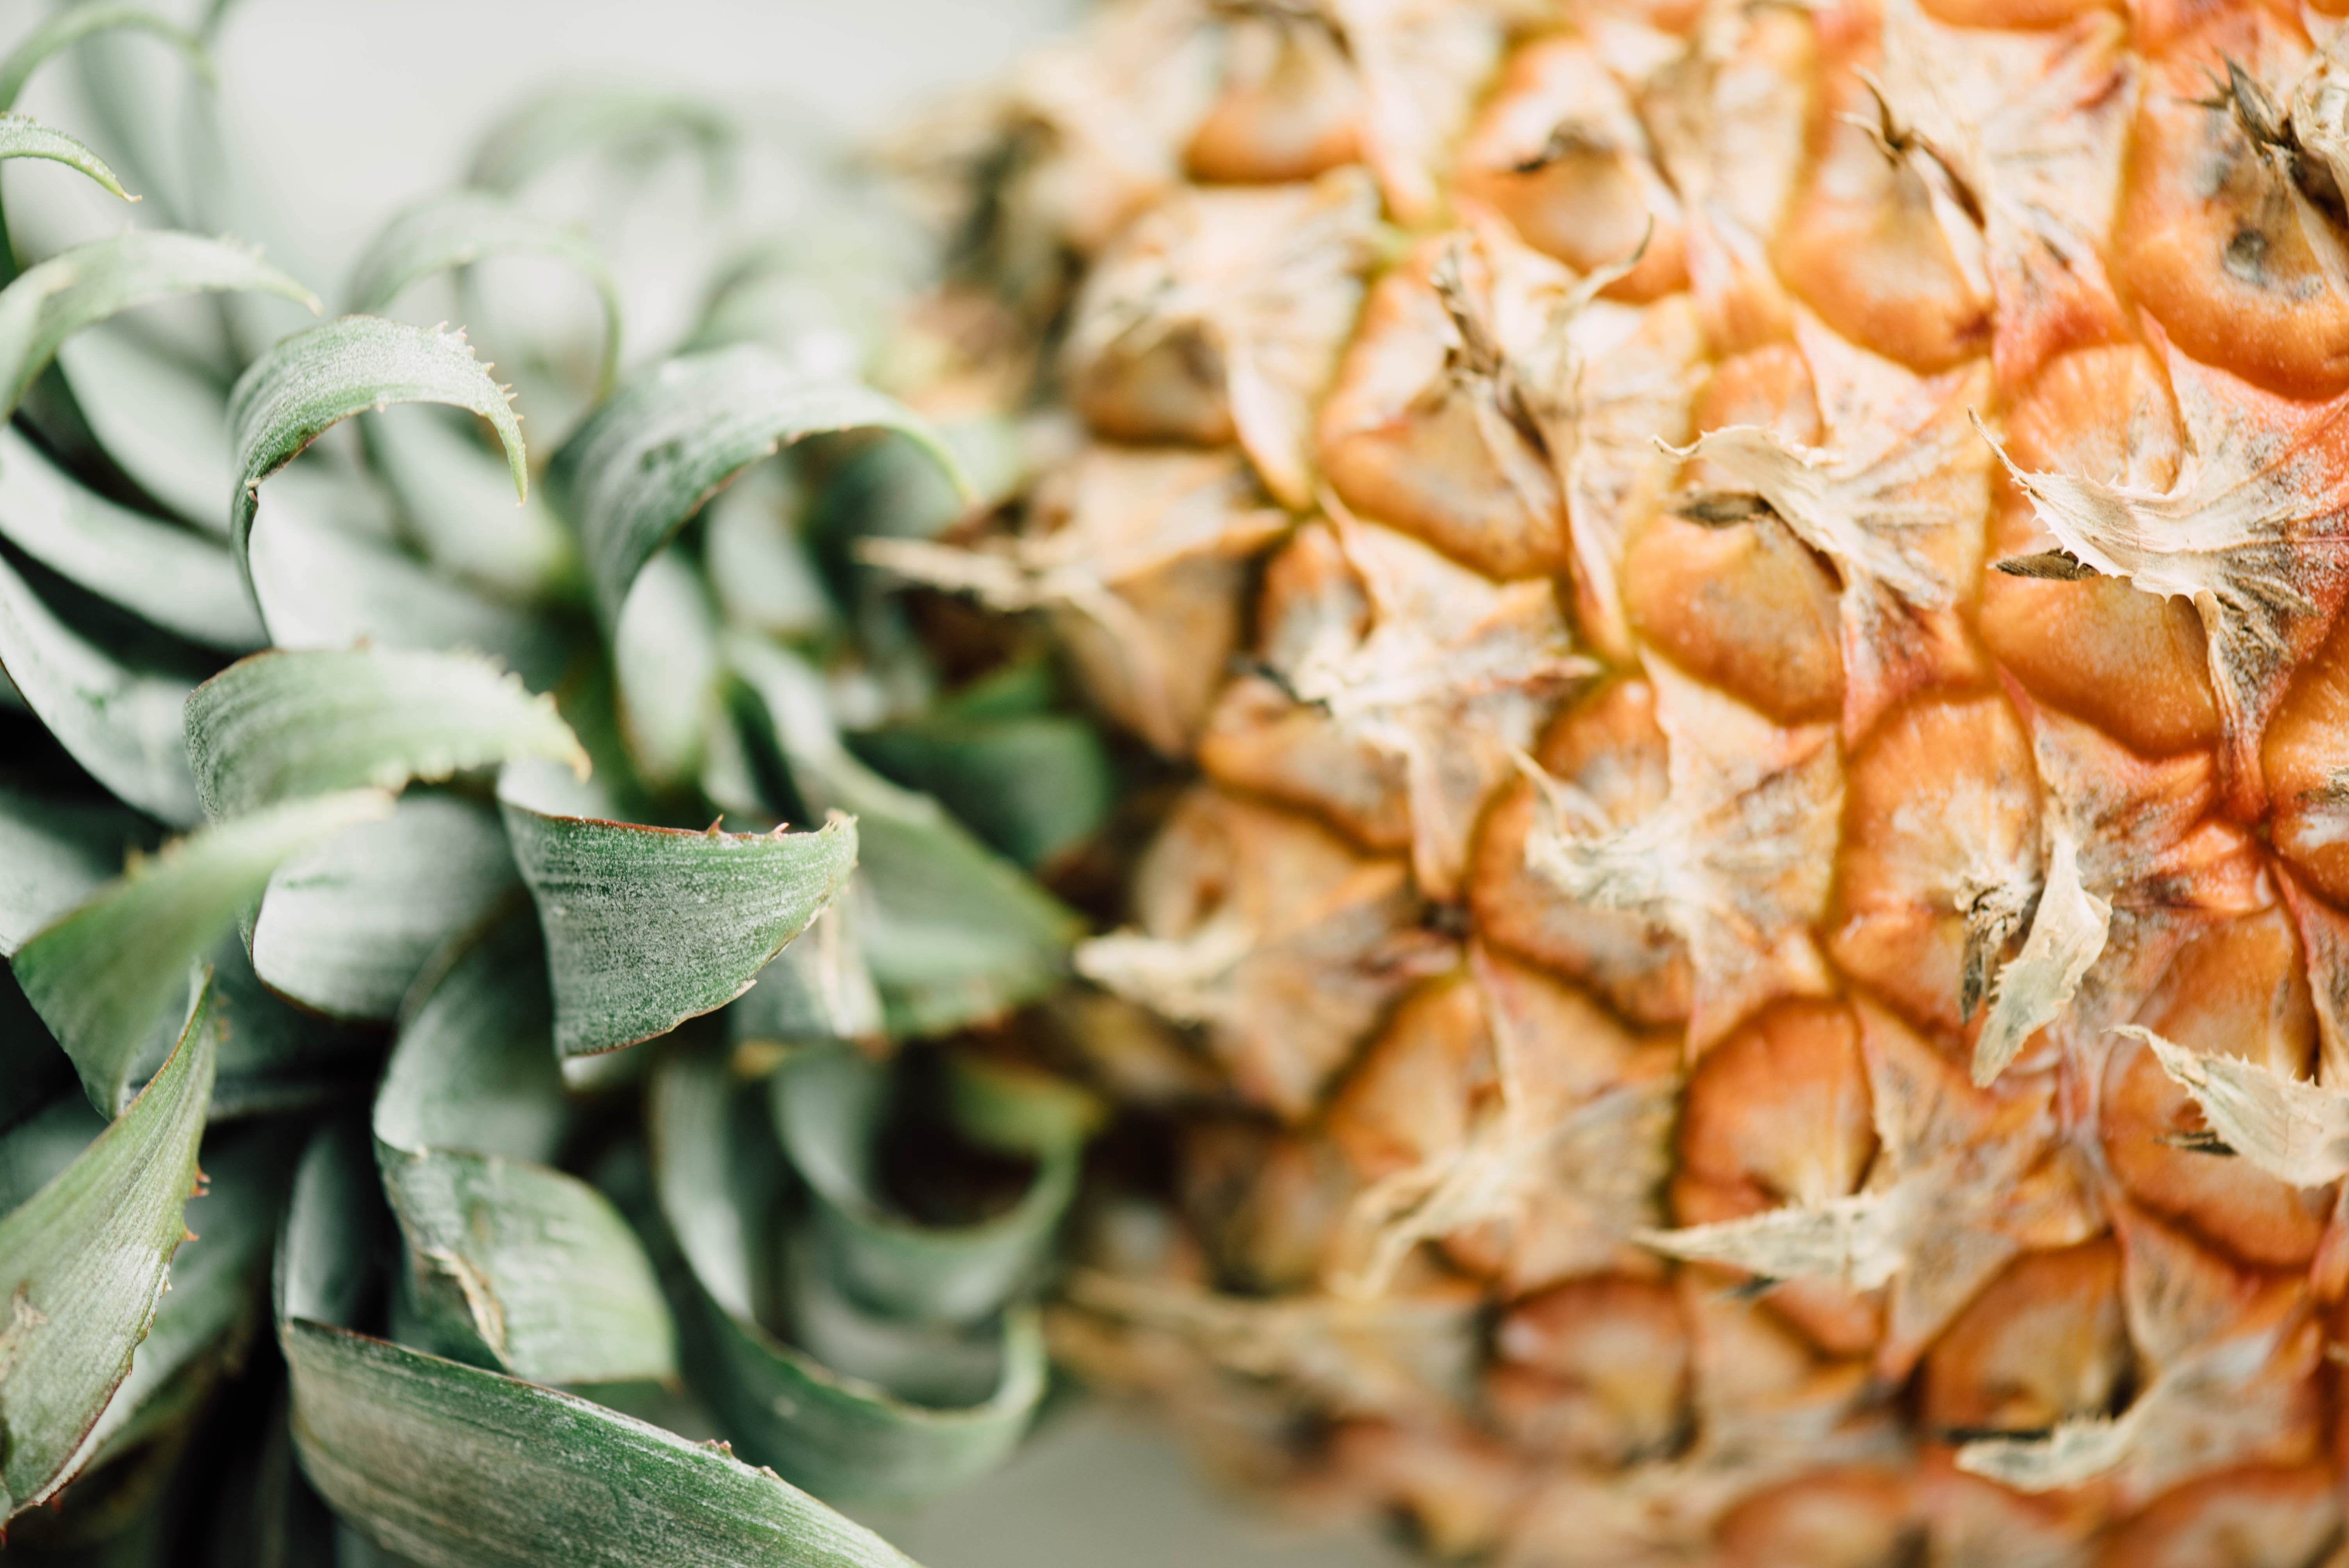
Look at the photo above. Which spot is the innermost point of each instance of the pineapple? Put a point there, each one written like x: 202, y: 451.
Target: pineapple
x: 1751, y: 966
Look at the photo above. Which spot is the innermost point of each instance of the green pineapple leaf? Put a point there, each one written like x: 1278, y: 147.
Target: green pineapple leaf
x: 561, y: 124
x: 652, y: 457
x: 82, y: 1265
x: 53, y: 855
x: 954, y: 933
x: 22, y: 136
x: 100, y: 974
x: 345, y: 928
x: 50, y: 302
x: 958, y: 1399
x: 647, y: 927
x: 73, y: 24
x: 458, y: 228
x: 828, y: 1106
x: 315, y: 379
x: 119, y: 717
x: 181, y: 581
x: 512, y: 1265
x: 279, y: 726
x: 451, y: 1466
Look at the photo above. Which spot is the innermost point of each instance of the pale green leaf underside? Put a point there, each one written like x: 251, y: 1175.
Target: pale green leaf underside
x: 279, y: 726
x: 53, y: 855
x: 120, y: 722
x: 74, y: 22
x: 99, y: 976
x: 346, y: 927
x: 82, y: 1263
x: 512, y: 1265
x: 453, y: 1467
x: 817, y: 989
x: 22, y: 136
x: 163, y: 421
x: 322, y: 584
x: 649, y: 458
x: 315, y: 379
x: 840, y: 1436
x: 184, y: 582
x: 457, y: 507
x: 49, y: 302
x: 458, y: 228
x: 647, y: 927
x: 568, y: 121
x: 828, y: 1106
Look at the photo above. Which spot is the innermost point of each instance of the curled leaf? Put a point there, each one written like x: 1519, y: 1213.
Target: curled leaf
x: 22, y: 136
x: 49, y: 302
x: 647, y: 927
x: 451, y: 1465
x: 459, y: 228
x: 280, y: 726
x: 649, y: 460
x: 305, y: 385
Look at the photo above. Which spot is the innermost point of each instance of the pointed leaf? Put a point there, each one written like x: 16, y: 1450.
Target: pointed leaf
x: 457, y: 506
x: 49, y: 302
x: 22, y: 136
x: 647, y: 927
x: 511, y: 1264
x: 457, y: 229
x: 82, y: 1265
x: 650, y: 457
x: 280, y: 726
x: 118, y: 720
x: 452, y: 1467
x: 99, y: 976
x: 182, y: 582
x: 315, y: 379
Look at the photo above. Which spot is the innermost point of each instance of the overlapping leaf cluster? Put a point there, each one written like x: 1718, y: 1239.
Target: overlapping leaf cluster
x: 352, y: 831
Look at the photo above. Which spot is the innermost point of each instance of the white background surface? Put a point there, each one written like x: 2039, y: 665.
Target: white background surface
x: 346, y: 110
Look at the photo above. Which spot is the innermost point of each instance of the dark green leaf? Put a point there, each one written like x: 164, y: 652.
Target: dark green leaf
x: 650, y: 457
x: 1031, y: 786
x: 829, y: 1106
x: 511, y: 1265
x: 718, y: 1184
x: 647, y: 927
x: 315, y: 379
x: 100, y: 974
x: 182, y: 582
x: 953, y: 932
x: 280, y: 726
x: 453, y: 1467
x: 82, y: 1265
x: 459, y: 228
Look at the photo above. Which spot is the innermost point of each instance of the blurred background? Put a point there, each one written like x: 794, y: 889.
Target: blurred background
x: 343, y: 111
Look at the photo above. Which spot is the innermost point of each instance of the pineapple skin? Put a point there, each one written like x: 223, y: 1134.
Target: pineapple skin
x: 1805, y: 633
